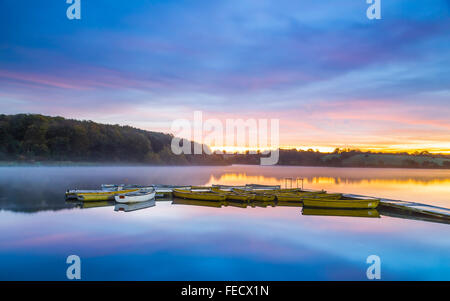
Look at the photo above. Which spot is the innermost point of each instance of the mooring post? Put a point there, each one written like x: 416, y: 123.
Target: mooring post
x: 286, y: 181
x: 297, y: 179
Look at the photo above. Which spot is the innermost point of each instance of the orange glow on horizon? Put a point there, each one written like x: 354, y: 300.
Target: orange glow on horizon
x: 438, y: 149
x: 430, y: 189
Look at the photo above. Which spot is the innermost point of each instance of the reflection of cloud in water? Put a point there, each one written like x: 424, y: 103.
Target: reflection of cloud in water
x: 244, y: 178
x: 269, y: 237
x: 239, y: 178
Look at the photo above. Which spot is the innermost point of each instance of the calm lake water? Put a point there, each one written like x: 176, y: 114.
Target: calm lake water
x: 175, y: 241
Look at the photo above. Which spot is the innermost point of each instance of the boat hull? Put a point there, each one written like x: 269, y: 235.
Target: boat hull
x: 133, y: 198
x: 299, y: 197
x: 91, y: 197
x: 201, y: 196
x: 233, y: 196
x: 344, y: 204
x: 101, y: 195
x: 265, y: 197
x: 258, y: 196
x: 341, y: 212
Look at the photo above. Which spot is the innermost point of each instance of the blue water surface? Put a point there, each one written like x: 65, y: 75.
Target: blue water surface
x: 170, y: 241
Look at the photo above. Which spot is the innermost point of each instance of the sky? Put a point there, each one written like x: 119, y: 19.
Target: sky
x: 330, y: 75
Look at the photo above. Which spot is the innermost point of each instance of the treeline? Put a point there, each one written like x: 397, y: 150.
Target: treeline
x: 350, y: 158
x: 31, y: 137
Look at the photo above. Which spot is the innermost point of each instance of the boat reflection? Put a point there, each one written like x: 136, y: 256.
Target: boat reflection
x: 197, y: 203
x: 88, y: 205
x: 127, y: 207
x: 373, y: 213
x: 261, y: 204
x: 341, y: 212
x: 289, y: 204
x: 235, y: 204
x: 367, y: 213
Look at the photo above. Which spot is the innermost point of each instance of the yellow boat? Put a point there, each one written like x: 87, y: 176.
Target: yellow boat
x: 299, y: 197
x: 348, y: 203
x: 102, y: 195
x: 258, y: 196
x: 95, y: 197
x: 264, y: 197
x: 199, y: 195
x: 241, y: 197
x: 285, y: 197
x: 341, y: 212
x: 288, y: 190
x: 234, y: 196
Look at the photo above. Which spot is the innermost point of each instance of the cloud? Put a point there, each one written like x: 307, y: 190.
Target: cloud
x: 322, y: 67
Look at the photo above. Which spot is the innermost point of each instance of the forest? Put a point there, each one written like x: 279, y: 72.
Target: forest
x: 32, y: 137
x: 29, y: 138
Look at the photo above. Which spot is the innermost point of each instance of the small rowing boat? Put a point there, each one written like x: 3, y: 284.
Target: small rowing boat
x: 300, y: 196
x: 288, y: 190
x: 258, y: 196
x: 345, y: 202
x: 101, y: 195
x: 264, y: 197
x: 199, y: 195
x: 142, y: 195
x: 341, y: 212
x: 234, y: 196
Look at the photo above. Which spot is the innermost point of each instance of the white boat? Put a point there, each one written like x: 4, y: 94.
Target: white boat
x: 134, y: 206
x: 142, y: 195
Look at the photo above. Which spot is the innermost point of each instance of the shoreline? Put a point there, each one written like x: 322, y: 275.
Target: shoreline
x: 123, y: 164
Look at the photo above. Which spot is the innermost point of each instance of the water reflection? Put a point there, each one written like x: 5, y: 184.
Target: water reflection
x: 87, y: 205
x: 33, y: 189
x: 368, y: 213
x: 133, y: 206
x: 193, y: 240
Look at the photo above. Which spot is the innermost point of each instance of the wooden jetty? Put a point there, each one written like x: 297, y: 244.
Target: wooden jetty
x: 386, y: 207
x: 410, y: 210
